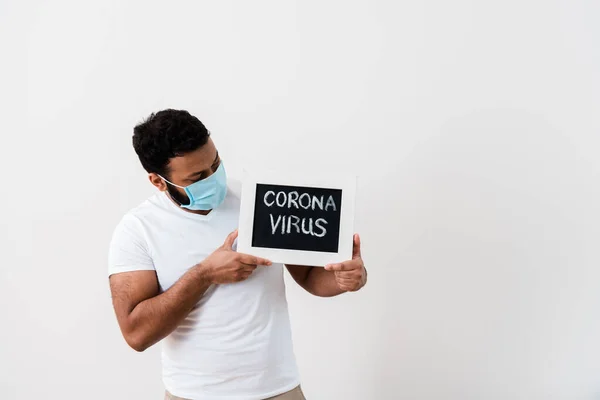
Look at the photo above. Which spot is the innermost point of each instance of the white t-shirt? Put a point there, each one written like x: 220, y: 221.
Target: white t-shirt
x: 236, y: 342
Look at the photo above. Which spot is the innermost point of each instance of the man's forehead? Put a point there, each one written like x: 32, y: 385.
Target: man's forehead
x: 197, y: 160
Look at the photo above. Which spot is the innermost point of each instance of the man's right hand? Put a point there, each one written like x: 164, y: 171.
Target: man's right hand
x: 225, y: 265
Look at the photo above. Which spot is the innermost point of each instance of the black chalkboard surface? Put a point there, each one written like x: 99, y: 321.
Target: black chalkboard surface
x: 297, y: 218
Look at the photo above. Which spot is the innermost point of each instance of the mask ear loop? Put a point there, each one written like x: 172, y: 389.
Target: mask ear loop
x: 169, y: 193
x: 161, y: 177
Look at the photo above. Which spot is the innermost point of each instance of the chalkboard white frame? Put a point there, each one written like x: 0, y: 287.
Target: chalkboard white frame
x: 298, y: 257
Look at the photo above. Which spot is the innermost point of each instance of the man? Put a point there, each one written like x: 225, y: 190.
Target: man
x: 175, y: 275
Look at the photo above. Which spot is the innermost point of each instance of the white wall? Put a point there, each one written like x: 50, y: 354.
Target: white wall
x: 473, y: 126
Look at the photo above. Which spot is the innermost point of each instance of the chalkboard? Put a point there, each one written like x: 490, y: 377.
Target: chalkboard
x: 297, y: 219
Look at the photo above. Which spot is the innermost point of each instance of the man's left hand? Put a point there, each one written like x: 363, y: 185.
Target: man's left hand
x: 350, y: 275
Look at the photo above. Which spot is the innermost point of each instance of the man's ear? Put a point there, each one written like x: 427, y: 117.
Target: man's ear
x: 157, y: 181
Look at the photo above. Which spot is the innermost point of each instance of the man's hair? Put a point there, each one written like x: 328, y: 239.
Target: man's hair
x: 167, y: 134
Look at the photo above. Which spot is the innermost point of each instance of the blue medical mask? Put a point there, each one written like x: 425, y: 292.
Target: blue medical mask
x: 206, y: 194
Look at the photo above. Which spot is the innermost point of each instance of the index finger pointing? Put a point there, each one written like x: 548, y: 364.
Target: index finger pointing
x: 253, y: 260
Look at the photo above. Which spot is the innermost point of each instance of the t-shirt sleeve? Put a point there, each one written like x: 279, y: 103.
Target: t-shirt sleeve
x: 128, y: 248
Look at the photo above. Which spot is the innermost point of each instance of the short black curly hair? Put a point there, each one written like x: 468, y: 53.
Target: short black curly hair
x: 167, y: 134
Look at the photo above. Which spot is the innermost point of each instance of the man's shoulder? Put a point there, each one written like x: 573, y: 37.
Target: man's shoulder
x: 153, y: 203
x: 143, y: 211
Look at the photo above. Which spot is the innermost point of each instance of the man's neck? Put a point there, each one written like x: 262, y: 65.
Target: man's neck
x: 201, y: 212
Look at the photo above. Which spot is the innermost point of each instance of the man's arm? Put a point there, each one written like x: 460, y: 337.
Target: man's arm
x: 315, y: 280
x: 145, y: 316
x: 334, y: 279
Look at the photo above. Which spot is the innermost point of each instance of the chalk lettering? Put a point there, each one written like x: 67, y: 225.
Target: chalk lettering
x: 323, y: 230
x: 330, y: 202
x: 282, y: 203
x: 292, y: 197
x: 265, y: 199
x: 274, y: 224
x: 295, y: 223
x: 316, y: 200
x: 310, y: 226
x: 307, y: 204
